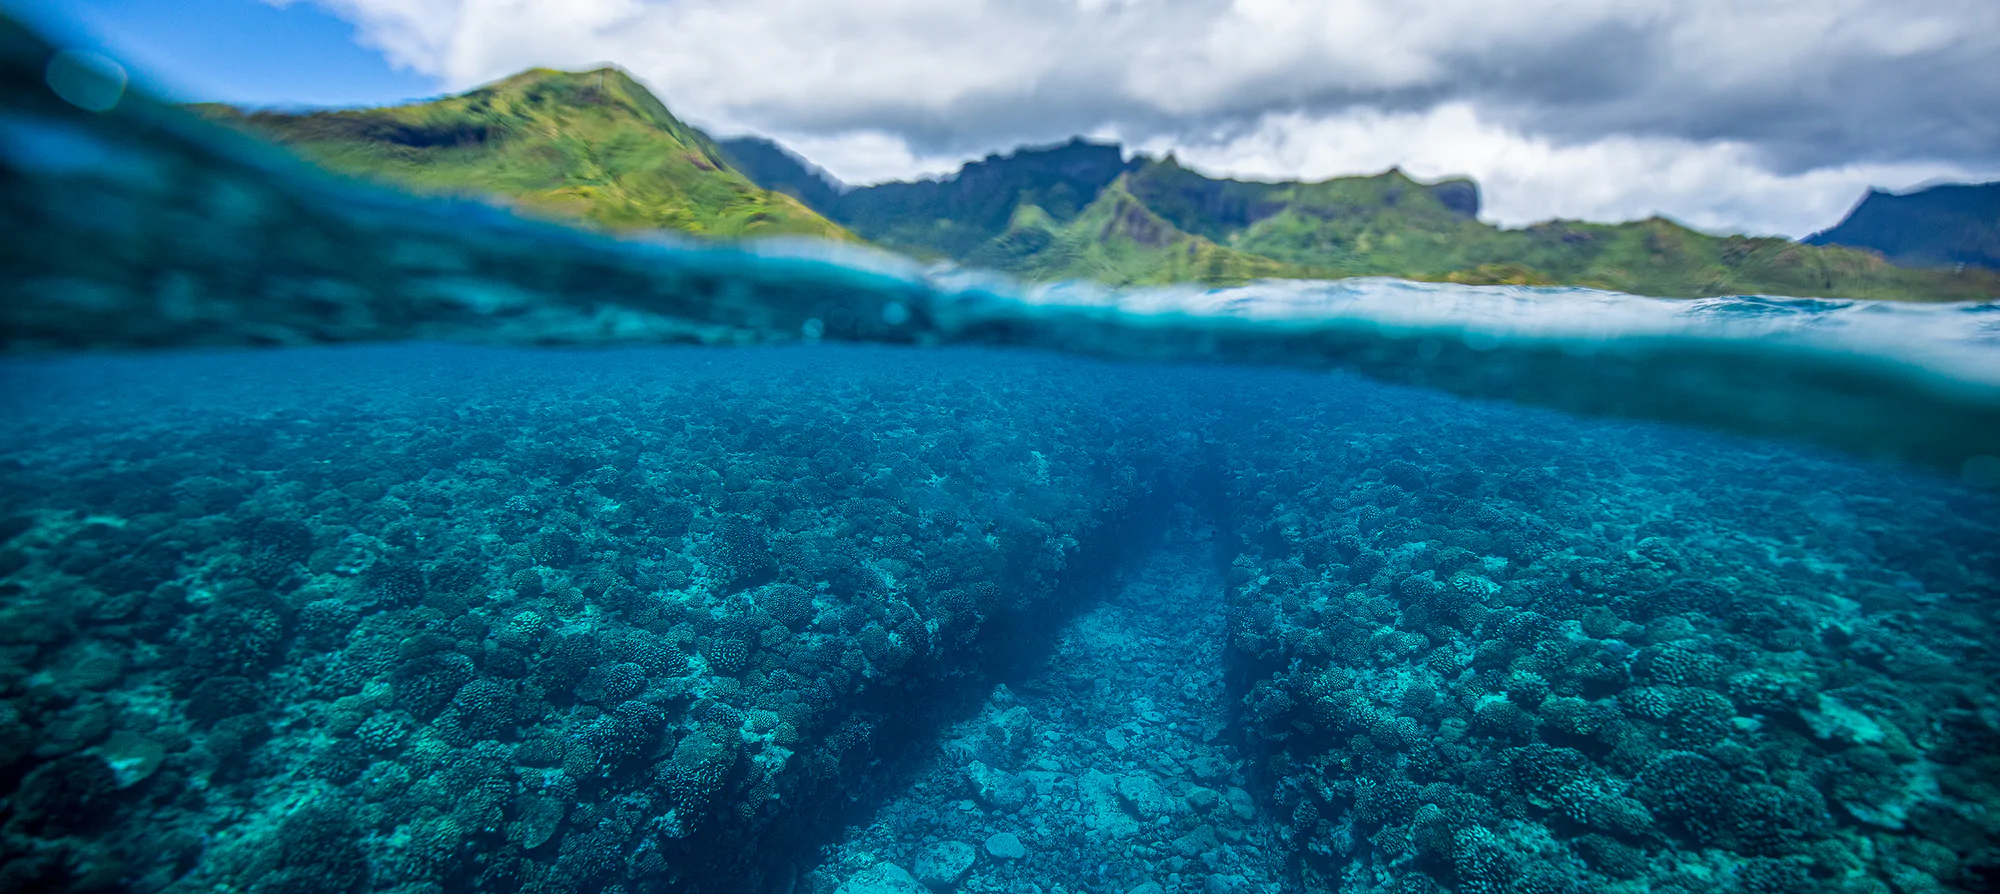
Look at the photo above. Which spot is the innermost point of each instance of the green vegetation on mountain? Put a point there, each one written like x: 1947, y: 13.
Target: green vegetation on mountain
x: 1082, y: 210
x: 1118, y: 239
x: 591, y: 146
x: 1391, y: 225
x: 1942, y: 226
x: 777, y: 169
x: 959, y: 218
x: 597, y: 147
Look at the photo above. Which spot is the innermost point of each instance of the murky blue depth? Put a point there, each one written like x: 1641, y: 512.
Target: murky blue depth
x: 877, y: 583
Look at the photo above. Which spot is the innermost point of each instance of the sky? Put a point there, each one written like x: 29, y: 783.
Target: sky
x: 1763, y: 117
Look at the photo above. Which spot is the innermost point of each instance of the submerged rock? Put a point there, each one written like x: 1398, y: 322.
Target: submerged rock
x: 1201, y: 798
x: 1005, y: 846
x: 1241, y: 804
x: 133, y: 758
x: 945, y: 864
x: 1146, y: 797
x: 882, y: 878
x: 1198, y: 842
x: 539, y: 818
x: 998, y: 788
x: 1104, y: 811
x: 1836, y: 720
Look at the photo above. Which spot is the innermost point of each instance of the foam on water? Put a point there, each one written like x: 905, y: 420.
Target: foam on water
x: 141, y: 227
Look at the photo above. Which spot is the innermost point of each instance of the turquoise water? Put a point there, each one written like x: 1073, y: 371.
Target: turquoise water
x: 354, y: 543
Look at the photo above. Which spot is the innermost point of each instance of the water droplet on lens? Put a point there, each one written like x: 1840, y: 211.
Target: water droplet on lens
x: 813, y: 329
x: 90, y: 81
x: 895, y: 313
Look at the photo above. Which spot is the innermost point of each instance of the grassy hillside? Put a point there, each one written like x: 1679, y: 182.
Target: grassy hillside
x: 958, y: 217
x: 1081, y: 210
x: 1382, y: 225
x: 591, y: 146
x: 1117, y: 239
x: 1390, y: 225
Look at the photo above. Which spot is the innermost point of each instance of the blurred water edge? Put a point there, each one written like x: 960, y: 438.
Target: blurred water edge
x: 142, y: 227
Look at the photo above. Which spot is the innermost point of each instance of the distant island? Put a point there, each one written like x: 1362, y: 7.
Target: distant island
x: 598, y: 148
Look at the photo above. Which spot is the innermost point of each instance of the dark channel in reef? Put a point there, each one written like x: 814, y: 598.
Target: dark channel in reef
x: 434, y: 620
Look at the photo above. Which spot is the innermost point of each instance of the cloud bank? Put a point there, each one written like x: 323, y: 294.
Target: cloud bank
x: 1767, y: 117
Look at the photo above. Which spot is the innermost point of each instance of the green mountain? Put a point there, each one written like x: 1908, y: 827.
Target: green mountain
x: 1391, y: 225
x: 1041, y: 213
x: 1117, y: 238
x: 597, y: 147
x: 592, y: 146
x: 1081, y: 209
x: 775, y: 168
x: 956, y: 217
x: 1942, y: 226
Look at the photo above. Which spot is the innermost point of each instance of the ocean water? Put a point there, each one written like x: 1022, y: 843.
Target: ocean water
x: 355, y: 543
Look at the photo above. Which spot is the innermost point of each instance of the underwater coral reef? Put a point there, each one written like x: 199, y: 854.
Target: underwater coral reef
x: 1109, y: 764
x: 1502, y: 653
x: 435, y: 620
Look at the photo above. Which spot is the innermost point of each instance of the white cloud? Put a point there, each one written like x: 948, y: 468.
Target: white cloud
x: 1715, y: 111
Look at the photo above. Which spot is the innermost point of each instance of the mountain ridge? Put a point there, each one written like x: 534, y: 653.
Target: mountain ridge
x: 595, y: 147
x: 600, y: 148
x: 1937, y: 226
x: 776, y: 168
x: 1386, y: 224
